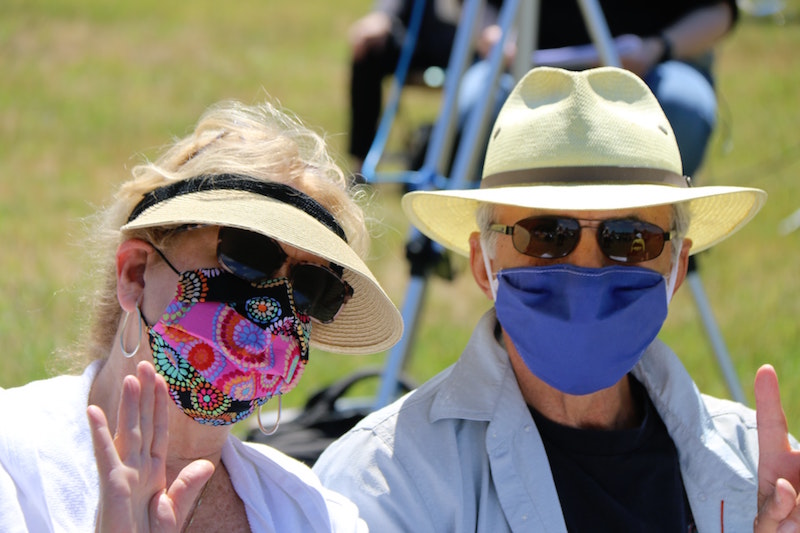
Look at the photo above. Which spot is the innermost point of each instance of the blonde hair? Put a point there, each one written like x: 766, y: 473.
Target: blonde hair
x: 262, y: 142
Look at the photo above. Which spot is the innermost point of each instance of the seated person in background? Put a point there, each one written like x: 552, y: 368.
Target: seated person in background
x: 668, y: 44
x: 375, y: 43
x: 565, y: 412
x: 222, y: 262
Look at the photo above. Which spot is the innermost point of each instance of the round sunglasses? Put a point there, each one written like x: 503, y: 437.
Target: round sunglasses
x: 624, y: 240
x: 319, y: 292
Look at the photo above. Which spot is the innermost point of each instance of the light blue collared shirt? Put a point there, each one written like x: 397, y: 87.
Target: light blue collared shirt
x: 462, y: 453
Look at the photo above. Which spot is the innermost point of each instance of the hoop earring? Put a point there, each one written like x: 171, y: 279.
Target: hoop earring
x: 274, y: 428
x: 125, y: 352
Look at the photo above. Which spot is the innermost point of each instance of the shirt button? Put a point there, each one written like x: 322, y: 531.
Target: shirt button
x: 702, y: 496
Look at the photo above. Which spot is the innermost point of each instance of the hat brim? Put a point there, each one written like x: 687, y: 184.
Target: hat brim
x: 368, y: 323
x: 716, y: 212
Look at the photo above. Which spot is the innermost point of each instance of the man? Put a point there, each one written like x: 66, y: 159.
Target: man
x: 376, y: 41
x: 564, y: 413
x: 669, y: 43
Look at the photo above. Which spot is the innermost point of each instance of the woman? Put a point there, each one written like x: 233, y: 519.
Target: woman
x: 234, y: 251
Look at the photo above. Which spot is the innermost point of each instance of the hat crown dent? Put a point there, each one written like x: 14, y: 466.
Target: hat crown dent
x: 603, y: 117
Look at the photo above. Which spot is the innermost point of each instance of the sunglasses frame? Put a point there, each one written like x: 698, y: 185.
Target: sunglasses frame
x: 596, y: 224
x: 225, y: 261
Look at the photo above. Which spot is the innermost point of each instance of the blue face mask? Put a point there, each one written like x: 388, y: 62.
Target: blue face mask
x: 580, y: 329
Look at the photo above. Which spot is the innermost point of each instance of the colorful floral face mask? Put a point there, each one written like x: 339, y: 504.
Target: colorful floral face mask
x: 225, y: 346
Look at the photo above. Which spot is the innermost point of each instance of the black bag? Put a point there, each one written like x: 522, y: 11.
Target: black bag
x: 326, y: 416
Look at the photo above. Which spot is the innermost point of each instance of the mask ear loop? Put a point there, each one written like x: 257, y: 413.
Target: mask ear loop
x: 492, y: 278
x: 274, y: 427
x: 673, y: 275
x: 125, y: 352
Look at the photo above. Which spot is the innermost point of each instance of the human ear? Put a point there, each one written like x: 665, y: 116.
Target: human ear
x: 132, y: 257
x: 478, y: 266
x: 683, y: 264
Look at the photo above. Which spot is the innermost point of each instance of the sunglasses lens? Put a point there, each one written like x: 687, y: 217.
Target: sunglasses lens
x: 318, y: 292
x: 546, y: 237
x: 630, y: 241
x: 249, y: 255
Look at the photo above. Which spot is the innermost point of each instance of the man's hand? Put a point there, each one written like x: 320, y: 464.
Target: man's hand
x: 488, y: 38
x: 639, y: 55
x: 368, y: 32
x: 778, y: 464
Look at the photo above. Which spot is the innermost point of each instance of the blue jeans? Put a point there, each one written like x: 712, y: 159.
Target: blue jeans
x: 685, y: 92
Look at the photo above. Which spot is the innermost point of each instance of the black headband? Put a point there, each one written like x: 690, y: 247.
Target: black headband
x: 276, y: 191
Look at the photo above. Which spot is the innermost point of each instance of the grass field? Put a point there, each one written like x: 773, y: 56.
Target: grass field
x: 91, y: 88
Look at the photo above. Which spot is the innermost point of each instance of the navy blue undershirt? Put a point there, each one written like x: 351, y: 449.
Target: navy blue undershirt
x: 618, y: 480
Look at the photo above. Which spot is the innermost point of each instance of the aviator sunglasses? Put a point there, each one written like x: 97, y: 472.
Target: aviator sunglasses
x: 319, y: 292
x: 624, y: 240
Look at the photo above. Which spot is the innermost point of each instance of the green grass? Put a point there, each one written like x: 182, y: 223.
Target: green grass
x: 90, y: 88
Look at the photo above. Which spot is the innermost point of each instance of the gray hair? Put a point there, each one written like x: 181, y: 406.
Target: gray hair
x: 485, y: 217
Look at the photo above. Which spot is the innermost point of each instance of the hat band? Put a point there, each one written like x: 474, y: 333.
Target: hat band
x: 563, y: 175
x: 277, y: 191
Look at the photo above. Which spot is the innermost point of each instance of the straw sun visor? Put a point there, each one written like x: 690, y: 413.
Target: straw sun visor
x: 368, y: 323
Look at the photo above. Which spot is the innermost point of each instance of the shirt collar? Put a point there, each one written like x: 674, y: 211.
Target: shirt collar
x: 485, y: 366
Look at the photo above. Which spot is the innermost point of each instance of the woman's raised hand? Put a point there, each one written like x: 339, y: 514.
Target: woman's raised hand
x: 132, y: 465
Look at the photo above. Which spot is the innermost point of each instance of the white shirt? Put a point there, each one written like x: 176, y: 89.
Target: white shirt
x: 49, y: 482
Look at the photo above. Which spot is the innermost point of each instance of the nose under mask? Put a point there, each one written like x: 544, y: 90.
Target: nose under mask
x: 225, y: 346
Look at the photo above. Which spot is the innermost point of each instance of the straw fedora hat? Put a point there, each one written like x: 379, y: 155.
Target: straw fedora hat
x: 590, y: 140
x: 368, y: 323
